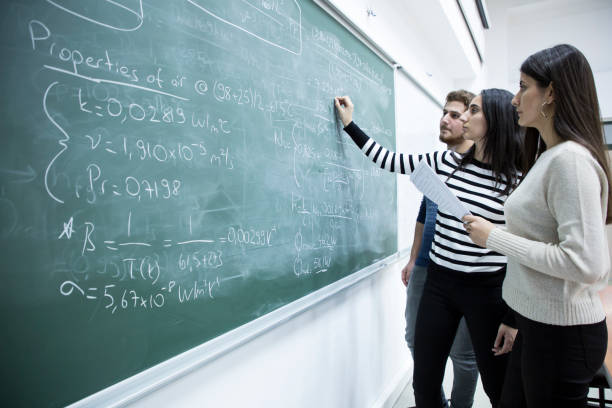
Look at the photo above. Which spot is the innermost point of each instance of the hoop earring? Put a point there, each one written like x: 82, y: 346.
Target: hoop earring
x: 544, y: 115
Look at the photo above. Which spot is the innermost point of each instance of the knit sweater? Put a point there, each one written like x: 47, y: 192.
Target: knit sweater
x: 555, y: 239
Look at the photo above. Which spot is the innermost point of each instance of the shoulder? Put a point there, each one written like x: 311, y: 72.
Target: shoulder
x: 569, y: 163
x: 452, y: 155
x: 449, y: 157
x: 571, y: 155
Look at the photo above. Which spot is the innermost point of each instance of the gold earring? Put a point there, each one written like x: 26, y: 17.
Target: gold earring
x: 544, y: 115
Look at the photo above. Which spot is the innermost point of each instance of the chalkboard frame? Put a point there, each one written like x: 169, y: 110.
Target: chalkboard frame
x: 147, y: 381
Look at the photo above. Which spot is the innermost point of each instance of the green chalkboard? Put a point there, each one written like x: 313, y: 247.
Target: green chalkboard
x: 171, y: 170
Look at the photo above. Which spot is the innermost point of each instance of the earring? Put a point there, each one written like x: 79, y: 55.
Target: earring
x: 544, y: 115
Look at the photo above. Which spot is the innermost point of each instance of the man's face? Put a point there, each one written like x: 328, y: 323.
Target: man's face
x: 451, y: 128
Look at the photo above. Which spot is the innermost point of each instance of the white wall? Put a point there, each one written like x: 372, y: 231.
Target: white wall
x: 417, y: 124
x: 349, y: 350
x: 519, y: 28
x: 429, y: 39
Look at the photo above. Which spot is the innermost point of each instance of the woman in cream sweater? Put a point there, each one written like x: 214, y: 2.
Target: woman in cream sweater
x: 555, y: 237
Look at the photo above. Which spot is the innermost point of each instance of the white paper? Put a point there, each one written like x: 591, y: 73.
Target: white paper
x: 428, y: 183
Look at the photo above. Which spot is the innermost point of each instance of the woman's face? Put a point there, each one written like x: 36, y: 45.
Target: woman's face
x: 528, y: 102
x: 474, y: 122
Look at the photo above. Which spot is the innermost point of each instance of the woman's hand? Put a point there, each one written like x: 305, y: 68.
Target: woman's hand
x: 504, y: 340
x: 478, y: 228
x: 344, y: 107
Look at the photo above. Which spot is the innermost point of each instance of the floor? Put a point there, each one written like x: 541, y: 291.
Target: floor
x: 406, y: 399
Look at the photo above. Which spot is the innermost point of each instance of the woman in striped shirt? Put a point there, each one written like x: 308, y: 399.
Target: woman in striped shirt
x: 463, y: 278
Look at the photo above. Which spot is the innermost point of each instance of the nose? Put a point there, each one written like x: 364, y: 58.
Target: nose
x: 464, y: 117
x: 444, y: 119
x: 515, y: 101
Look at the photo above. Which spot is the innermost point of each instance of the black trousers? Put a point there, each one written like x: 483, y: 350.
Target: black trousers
x: 448, y: 295
x: 552, y: 366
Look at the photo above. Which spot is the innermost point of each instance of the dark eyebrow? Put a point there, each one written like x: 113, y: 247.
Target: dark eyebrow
x: 474, y: 106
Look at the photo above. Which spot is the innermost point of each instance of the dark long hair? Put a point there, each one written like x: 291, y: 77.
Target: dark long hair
x: 576, y: 115
x: 503, y: 141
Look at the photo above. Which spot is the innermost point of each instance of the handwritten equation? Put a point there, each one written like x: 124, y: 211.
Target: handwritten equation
x: 172, y: 177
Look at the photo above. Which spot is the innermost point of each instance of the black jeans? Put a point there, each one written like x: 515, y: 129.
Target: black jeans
x: 552, y: 366
x: 449, y: 295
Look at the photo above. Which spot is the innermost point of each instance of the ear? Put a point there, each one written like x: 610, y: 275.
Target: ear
x: 549, y: 94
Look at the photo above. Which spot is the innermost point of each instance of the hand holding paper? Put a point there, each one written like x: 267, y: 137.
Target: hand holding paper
x: 428, y: 183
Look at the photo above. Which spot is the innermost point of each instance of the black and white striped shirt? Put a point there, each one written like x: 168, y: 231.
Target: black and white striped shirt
x: 475, y: 187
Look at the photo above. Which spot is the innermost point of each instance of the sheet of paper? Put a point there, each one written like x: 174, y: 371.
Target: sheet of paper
x: 428, y: 183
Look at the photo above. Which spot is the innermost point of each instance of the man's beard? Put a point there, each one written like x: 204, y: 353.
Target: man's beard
x: 449, y: 138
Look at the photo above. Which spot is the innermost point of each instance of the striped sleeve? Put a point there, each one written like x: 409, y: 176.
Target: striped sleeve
x: 387, y: 159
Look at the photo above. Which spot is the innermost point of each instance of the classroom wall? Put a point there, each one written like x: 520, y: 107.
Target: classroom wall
x: 430, y: 40
x: 349, y: 351
x: 520, y: 28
